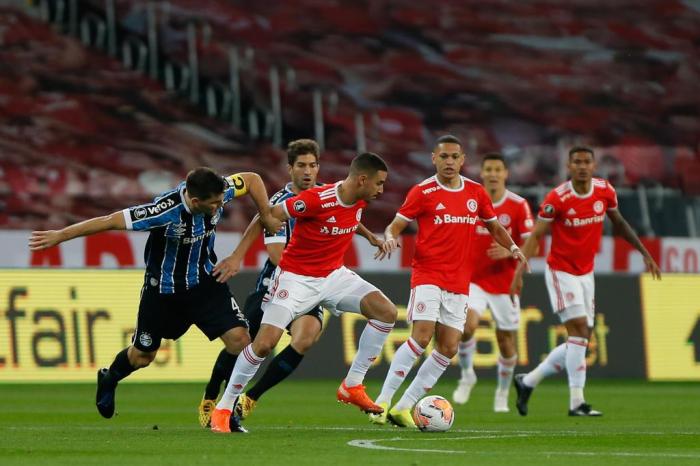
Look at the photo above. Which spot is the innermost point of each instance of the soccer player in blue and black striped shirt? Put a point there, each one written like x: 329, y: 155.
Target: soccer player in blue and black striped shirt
x: 179, y: 289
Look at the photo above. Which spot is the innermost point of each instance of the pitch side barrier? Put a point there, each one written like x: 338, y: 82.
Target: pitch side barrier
x: 61, y: 325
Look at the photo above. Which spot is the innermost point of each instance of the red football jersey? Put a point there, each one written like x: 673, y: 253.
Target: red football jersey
x: 323, y: 232
x: 494, y: 276
x: 577, y: 224
x: 446, y: 222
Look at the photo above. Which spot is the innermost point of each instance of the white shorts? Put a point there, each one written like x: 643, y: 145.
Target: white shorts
x: 506, y: 316
x: 572, y: 296
x: 430, y: 302
x: 291, y: 295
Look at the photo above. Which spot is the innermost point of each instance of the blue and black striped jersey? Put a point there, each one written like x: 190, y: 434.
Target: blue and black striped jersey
x: 282, y: 236
x: 180, y: 246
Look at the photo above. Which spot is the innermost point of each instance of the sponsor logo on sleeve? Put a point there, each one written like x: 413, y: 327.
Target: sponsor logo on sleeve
x: 528, y: 223
x: 299, y: 206
x: 140, y: 213
x: 548, y: 209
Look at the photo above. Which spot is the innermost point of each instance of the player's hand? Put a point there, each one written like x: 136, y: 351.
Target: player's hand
x: 386, y: 248
x: 518, y: 255
x: 498, y: 252
x: 516, y: 286
x: 652, y: 267
x: 271, y: 223
x: 227, y: 268
x: 44, y: 239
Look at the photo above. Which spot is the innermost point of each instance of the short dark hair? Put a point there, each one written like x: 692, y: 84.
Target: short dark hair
x: 302, y: 147
x: 494, y: 156
x: 367, y: 163
x: 203, y: 183
x: 581, y: 149
x: 448, y: 139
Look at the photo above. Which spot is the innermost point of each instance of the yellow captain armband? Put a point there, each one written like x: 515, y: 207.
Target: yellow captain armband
x: 237, y: 183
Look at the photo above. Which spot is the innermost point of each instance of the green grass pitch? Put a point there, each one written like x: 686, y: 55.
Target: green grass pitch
x: 300, y: 423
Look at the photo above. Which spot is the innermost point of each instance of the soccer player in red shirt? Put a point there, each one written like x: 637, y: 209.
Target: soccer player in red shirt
x: 490, y: 284
x: 447, y: 207
x: 311, y: 272
x: 574, y: 211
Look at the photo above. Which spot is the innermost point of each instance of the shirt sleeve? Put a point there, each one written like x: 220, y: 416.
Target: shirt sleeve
x: 235, y: 187
x: 486, y: 210
x: 525, y: 222
x: 160, y: 212
x: 305, y: 204
x: 280, y: 236
x: 549, y: 210
x: 412, y: 206
x: 611, y: 197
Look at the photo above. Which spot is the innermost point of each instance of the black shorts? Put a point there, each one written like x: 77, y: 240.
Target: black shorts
x: 252, y: 310
x: 210, y: 306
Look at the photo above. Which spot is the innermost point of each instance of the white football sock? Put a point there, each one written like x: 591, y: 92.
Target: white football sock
x: 465, y: 353
x: 246, y: 366
x: 428, y: 374
x: 576, y: 369
x: 370, y: 345
x: 552, y: 364
x: 401, y: 365
x: 506, y: 366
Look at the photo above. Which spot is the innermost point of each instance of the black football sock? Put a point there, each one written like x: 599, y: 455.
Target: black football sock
x: 120, y: 368
x: 220, y: 372
x: 279, y: 369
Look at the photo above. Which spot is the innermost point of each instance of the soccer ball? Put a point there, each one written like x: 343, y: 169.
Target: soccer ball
x: 433, y: 414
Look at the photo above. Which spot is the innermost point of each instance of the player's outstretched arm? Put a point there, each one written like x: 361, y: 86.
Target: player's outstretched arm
x: 530, y: 248
x: 257, y: 191
x: 231, y: 265
x: 46, y: 239
x: 368, y: 235
x: 623, y: 229
x: 503, y: 238
x: 391, y: 238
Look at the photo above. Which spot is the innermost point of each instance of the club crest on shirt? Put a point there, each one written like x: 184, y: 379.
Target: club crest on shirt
x: 472, y: 205
x: 358, y: 215
x: 504, y: 219
x: 598, y: 207
x: 215, y: 218
x: 299, y: 206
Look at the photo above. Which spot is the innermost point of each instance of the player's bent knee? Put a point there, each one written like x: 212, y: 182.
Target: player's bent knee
x: 447, y: 349
x: 303, y: 344
x: 236, y: 339
x: 376, y: 306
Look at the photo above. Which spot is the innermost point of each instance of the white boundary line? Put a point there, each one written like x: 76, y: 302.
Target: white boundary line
x: 371, y: 444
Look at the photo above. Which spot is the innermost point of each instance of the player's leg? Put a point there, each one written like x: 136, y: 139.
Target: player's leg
x: 305, y: 332
x: 506, y: 366
x: 446, y: 342
x: 448, y: 331
x: 465, y: 353
x: 579, y: 330
x: 506, y: 315
x: 153, y: 323
x: 348, y: 292
x: 423, y: 311
x: 226, y: 359
x: 560, y: 288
